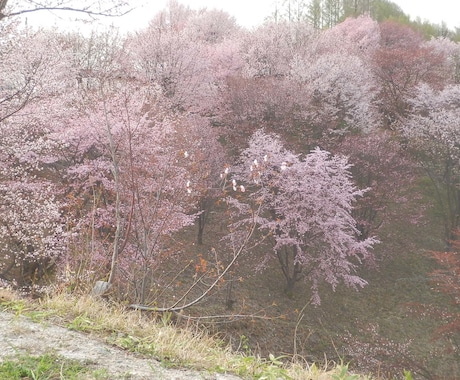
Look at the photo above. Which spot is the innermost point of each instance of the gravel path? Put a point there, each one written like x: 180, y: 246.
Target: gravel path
x: 19, y: 335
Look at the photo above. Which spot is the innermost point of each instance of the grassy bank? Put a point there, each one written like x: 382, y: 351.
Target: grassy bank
x: 150, y: 335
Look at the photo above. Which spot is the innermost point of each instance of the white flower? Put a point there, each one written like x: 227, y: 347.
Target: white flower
x: 189, y: 190
x: 186, y: 154
x: 283, y: 166
x: 265, y: 158
x: 188, y: 184
x: 255, y: 162
x: 242, y: 189
x: 226, y: 171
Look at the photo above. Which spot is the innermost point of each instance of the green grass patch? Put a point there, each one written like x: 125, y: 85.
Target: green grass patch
x: 47, y: 367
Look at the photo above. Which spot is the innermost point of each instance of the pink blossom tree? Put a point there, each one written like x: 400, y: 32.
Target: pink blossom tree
x: 131, y: 171
x: 176, y: 52
x: 212, y: 26
x: 449, y: 50
x: 432, y: 133
x: 31, y: 224
x: 34, y: 73
x: 307, y: 204
x: 401, y: 64
x: 358, y: 36
x: 268, y: 50
x: 313, y: 85
x: 340, y: 90
x: 26, y: 68
x: 104, y: 149
x: 134, y: 165
x: 336, y: 77
x: 381, y: 164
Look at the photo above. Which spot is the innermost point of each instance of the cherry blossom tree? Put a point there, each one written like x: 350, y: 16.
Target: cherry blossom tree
x: 109, y: 153
x: 25, y: 68
x: 381, y: 164
x: 212, y: 26
x: 401, y: 64
x: 268, y: 50
x: 34, y: 73
x: 32, y: 228
x: 312, y: 85
x: 307, y: 205
x: 309, y: 86
x: 341, y: 92
x: 176, y: 52
x: 89, y: 123
x: 450, y: 53
x: 135, y: 166
x: 358, y: 36
x: 338, y: 76
x: 432, y: 133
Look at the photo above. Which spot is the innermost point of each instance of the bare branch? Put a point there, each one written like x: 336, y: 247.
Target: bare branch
x: 70, y: 9
x: 114, y: 11
x: 237, y: 254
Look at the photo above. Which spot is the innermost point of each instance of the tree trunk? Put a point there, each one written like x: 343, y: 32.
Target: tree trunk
x: 290, y: 269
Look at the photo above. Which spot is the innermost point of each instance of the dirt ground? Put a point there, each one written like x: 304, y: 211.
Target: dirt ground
x: 19, y: 335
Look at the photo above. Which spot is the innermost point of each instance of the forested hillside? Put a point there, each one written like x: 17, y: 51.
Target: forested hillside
x: 294, y: 187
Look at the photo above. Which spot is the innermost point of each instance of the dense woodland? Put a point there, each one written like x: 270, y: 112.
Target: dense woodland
x: 193, y: 163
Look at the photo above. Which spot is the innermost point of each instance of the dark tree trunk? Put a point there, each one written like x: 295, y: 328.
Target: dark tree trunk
x: 291, y: 270
x: 205, y: 206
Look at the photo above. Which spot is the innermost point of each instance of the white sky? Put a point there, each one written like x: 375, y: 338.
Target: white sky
x: 251, y: 13
x: 433, y: 10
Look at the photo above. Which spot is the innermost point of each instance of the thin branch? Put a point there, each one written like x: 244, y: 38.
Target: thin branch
x: 212, y: 286
x: 69, y: 9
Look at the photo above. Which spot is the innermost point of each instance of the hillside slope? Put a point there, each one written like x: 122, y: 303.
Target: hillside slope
x: 20, y: 335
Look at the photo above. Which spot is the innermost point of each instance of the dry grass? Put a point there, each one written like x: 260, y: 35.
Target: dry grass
x: 187, y: 346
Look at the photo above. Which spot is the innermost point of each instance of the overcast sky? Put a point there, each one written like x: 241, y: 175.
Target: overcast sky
x: 251, y: 13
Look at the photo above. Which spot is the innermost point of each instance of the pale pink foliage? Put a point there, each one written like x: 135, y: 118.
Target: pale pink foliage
x: 327, y: 75
x: 360, y: 36
x: 178, y: 52
x: 81, y: 93
x: 340, y: 86
x: 384, y: 166
x: 450, y: 53
x: 33, y: 72
x: 33, y: 67
x: 434, y: 122
x: 31, y: 227
x: 212, y: 26
x: 336, y: 74
x: 148, y: 164
x: 225, y: 59
x: 268, y: 50
x: 432, y: 130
